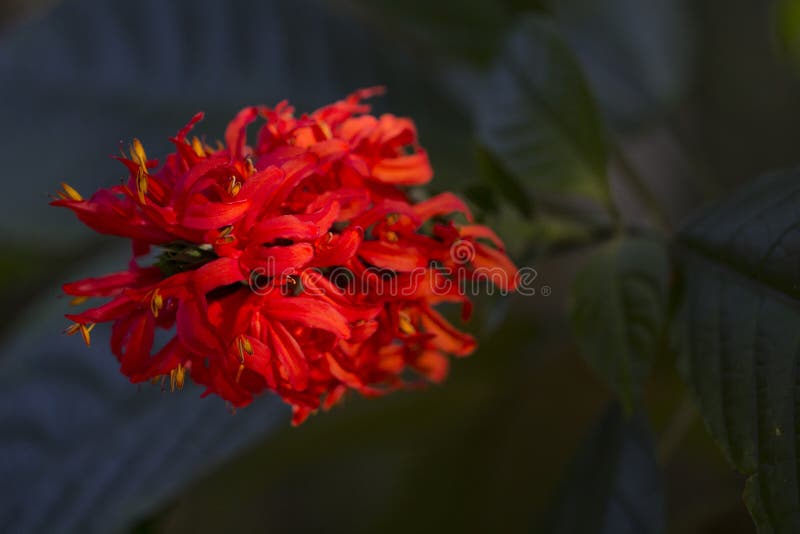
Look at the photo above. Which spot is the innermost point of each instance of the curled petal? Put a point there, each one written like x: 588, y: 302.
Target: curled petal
x: 213, y: 214
x: 292, y: 364
x: 236, y: 132
x: 392, y: 256
x: 442, y: 204
x: 404, y: 170
x: 310, y: 312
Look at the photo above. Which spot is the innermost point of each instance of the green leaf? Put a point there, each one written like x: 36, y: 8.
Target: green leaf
x: 636, y: 55
x: 618, y: 308
x: 614, y: 485
x: 737, y: 333
x: 499, y: 179
x: 787, y: 28
x: 536, y: 115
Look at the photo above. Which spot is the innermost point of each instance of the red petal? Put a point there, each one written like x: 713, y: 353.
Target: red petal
x: 283, y: 226
x: 277, y: 261
x: 110, y: 311
x: 112, y: 284
x: 187, y: 181
x: 137, y: 343
x: 340, y: 373
x: 194, y: 330
x: 292, y: 360
x: 310, y: 312
x: 385, y: 208
x: 476, y: 231
x: 213, y: 214
x: 433, y: 365
x: 404, y: 170
x: 488, y: 261
x: 442, y: 204
x: 260, y: 361
x: 258, y: 189
x: 446, y: 337
x: 392, y: 256
x: 183, y: 132
x: 218, y: 273
x: 330, y: 150
x: 339, y: 249
x: 236, y: 132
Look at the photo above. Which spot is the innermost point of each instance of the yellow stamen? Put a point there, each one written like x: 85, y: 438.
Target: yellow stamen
x: 234, y: 186
x: 251, y: 167
x: 156, y: 302
x: 172, y: 380
x: 392, y: 237
x: 77, y: 301
x: 141, y: 185
x: 137, y: 153
x: 140, y: 158
x: 405, y: 324
x: 239, y: 373
x: 69, y: 193
x: 83, y: 329
x: 197, y: 146
x: 245, y: 347
x: 326, y: 130
x: 180, y: 376
x: 225, y: 234
x: 392, y: 218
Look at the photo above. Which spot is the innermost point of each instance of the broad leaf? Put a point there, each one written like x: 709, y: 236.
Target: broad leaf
x: 618, y: 309
x: 537, y: 115
x: 614, y: 486
x: 83, y: 449
x: 738, y: 336
x: 506, y: 185
x: 636, y: 55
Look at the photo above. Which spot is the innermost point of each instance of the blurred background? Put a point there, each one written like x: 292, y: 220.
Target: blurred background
x: 701, y: 95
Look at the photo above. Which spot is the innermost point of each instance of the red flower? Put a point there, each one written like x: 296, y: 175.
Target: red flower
x: 298, y: 264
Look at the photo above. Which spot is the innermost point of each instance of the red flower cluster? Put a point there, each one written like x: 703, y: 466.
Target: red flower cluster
x: 297, y: 264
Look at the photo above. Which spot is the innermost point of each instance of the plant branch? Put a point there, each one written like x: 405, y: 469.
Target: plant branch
x: 682, y: 420
x: 640, y: 188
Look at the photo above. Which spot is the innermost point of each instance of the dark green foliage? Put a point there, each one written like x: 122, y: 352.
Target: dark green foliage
x: 738, y: 337
x: 614, y: 483
x: 618, y: 310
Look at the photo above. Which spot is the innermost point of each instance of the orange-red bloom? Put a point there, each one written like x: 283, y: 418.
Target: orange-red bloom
x: 297, y: 264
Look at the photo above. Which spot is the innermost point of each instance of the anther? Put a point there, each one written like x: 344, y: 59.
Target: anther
x: 197, y: 146
x: 181, y: 376
x: 77, y: 301
x: 84, y: 329
x: 226, y: 234
x: 239, y: 372
x: 69, y: 193
x: 156, y: 302
x: 140, y: 158
x: 405, y: 324
x: 245, y: 347
x: 234, y: 186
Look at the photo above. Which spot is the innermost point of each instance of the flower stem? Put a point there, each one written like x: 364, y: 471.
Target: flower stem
x: 635, y: 181
x: 682, y: 420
